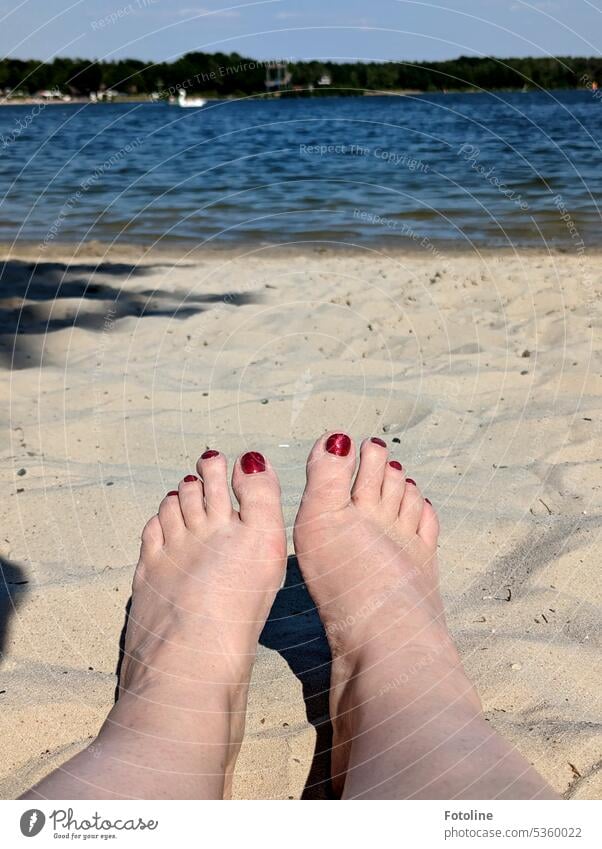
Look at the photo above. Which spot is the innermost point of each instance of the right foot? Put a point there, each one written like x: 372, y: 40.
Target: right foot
x: 367, y: 550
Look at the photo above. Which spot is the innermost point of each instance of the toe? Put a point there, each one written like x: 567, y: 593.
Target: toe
x: 368, y: 483
x: 257, y: 489
x: 213, y: 469
x: 152, y: 535
x: 192, y: 502
x: 170, y: 515
x: 394, y: 482
x: 330, y: 468
x: 410, y: 510
x: 428, y: 527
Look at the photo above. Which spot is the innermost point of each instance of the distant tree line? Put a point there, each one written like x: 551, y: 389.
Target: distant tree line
x: 226, y: 75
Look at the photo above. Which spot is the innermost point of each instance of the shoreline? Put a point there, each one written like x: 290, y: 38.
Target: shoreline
x: 211, y: 97
x: 31, y: 251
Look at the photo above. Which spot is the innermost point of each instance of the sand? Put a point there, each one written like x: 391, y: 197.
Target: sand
x: 483, y: 371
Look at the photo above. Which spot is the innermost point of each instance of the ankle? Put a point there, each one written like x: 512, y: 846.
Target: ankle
x: 398, y: 649
x: 173, y: 713
x: 420, y: 679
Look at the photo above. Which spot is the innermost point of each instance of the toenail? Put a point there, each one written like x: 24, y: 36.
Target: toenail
x: 339, y: 444
x: 395, y: 464
x: 409, y: 480
x: 190, y: 478
x: 428, y: 502
x: 207, y: 455
x: 173, y: 492
x: 252, y: 462
x: 377, y: 441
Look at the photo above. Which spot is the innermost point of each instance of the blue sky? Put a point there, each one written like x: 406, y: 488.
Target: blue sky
x: 338, y: 29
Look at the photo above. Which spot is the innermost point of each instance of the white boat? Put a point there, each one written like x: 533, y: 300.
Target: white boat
x: 190, y: 103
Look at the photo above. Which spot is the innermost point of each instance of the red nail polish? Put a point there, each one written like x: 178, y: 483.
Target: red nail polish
x: 395, y: 464
x: 190, y: 478
x: 173, y: 492
x: 409, y: 480
x: 428, y: 502
x: 252, y: 462
x: 339, y: 444
x: 377, y: 441
x: 207, y: 455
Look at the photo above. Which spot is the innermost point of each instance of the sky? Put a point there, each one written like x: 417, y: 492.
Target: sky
x: 162, y: 30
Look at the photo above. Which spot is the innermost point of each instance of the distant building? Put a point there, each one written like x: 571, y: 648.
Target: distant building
x: 325, y: 79
x: 49, y: 94
x: 277, y: 76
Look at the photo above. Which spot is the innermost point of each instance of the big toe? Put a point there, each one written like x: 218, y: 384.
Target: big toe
x: 257, y: 489
x: 330, y: 468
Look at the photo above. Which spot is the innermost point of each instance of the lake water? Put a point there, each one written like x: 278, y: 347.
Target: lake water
x: 490, y: 169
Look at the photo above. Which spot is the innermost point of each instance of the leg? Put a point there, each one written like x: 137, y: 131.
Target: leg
x: 203, y: 588
x: 407, y: 721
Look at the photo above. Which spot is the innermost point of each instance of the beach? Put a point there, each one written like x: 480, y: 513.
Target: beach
x: 481, y: 370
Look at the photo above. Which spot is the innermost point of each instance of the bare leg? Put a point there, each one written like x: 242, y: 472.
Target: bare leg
x: 203, y: 588
x: 407, y: 721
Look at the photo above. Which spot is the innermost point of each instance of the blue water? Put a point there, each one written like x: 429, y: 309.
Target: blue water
x: 490, y: 169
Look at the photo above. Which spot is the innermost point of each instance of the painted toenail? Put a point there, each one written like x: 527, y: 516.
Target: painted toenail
x: 339, y: 444
x: 378, y: 441
x: 252, y: 463
x: 190, y: 478
x: 395, y: 464
x: 409, y: 480
x: 428, y: 502
x: 173, y: 492
x: 207, y: 455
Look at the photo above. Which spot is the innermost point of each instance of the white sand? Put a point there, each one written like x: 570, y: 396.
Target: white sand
x: 424, y: 349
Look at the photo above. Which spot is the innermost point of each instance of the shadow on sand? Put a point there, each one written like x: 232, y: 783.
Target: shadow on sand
x: 295, y: 631
x: 13, y: 586
x: 43, y: 297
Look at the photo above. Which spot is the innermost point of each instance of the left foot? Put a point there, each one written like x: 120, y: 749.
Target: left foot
x: 202, y: 591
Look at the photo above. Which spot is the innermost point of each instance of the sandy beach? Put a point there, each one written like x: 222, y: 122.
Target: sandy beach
x: 483, y: 373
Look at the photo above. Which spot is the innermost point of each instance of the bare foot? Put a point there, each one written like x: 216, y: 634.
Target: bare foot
x: 203, y: 588
x: 404, y: 713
